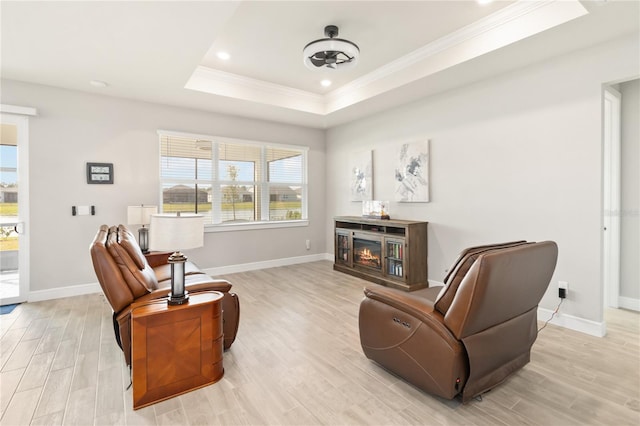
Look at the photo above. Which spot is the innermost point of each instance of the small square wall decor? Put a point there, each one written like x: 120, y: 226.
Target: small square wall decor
x: 412, y: 172
x: 101, y: 173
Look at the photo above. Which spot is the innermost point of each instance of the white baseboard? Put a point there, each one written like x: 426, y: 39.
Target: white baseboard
x: 434, y: 283
x: 593, y: 328
x: 244, y: 267
x: 629, y: 303
x: 60, y: 292
x: 78, y: 290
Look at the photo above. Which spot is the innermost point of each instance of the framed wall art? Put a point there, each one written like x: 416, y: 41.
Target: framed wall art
x: 361, y: 176
x: 412, y: 173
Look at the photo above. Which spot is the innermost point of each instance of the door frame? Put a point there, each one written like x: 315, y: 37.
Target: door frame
x: 611, y: 164
x: 19, y: 117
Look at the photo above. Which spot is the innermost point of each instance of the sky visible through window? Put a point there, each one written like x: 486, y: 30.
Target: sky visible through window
x: 8, y: 164
x: 245, y: 170
x: 286, y: 170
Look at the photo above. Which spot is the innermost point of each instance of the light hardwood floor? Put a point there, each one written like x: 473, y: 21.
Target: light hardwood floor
x: 297, y: 361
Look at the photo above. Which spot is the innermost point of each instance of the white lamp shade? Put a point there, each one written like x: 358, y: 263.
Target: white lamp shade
x: 140, y: 215
x: 173, y: 232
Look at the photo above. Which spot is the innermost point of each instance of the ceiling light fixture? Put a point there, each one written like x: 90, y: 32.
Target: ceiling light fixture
x: 325, y: 83
x: 98, y: 83
x: 330, y: 53
x: 223, y: 55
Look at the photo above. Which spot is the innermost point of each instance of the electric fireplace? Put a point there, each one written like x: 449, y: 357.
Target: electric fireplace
x: 367, y: 253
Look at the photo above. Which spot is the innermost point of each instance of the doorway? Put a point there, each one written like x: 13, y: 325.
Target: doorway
x: 611, y: 196
x: 621, y: 195
x: 14, y: 209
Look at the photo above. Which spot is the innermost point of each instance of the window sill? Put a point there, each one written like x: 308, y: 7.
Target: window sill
x: 225, y: 227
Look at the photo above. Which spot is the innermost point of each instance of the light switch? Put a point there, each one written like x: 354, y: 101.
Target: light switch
x: 84, y: 210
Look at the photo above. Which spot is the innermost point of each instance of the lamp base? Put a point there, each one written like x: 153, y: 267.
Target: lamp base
x: 143, y: 239
x: 178, y: 300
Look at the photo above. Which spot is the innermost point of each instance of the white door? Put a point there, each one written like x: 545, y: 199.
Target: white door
x: 611, y: 197
x: 14, y: 209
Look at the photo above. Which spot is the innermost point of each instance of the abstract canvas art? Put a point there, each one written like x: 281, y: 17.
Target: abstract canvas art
x: 361, y: 176
x: 412, y: 173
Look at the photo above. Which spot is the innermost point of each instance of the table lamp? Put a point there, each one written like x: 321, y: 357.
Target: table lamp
x: 177, y: 232
x: 141, y: 215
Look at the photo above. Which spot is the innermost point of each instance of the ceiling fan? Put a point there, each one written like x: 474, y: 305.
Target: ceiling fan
x: 331, y: 52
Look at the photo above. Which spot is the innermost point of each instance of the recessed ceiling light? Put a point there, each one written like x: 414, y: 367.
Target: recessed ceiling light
x: 484, y: 1
x: 223, y: 55
x: 98, y: 83
x: 325, y: 83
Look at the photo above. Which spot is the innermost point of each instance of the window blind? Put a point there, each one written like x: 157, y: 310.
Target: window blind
x: 232, y: 180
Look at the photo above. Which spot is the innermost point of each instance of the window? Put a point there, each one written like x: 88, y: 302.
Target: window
x: 231, y: 181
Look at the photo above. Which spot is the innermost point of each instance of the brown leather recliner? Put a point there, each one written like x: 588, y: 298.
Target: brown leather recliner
x: 127, y: 276
x: 470, y: 335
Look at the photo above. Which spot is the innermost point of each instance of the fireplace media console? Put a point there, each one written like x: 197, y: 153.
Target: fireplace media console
x: 388, y: 252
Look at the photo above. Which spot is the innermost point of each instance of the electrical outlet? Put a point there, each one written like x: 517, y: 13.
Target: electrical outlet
x: 308, y: 244
x: 563, y: 289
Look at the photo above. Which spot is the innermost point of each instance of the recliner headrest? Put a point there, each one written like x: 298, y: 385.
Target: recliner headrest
x: 129, y: 243
x: 460, y: 268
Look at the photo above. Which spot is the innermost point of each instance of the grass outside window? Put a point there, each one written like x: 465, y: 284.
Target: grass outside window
x: 8, y: 209
x: 8, y: 238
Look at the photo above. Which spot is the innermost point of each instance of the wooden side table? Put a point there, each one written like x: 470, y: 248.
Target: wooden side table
x: 175, y: 349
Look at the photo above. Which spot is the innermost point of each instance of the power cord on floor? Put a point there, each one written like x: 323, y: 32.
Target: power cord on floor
x: 130, y: 380
x: 552, y: 315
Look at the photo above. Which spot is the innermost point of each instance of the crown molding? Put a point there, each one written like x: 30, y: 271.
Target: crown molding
x: 223, y: 83
x: 515, y: 22
x: 508, y: 25
x: 469, y: 32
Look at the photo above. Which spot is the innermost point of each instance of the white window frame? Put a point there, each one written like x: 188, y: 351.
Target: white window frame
x: 263, y: 185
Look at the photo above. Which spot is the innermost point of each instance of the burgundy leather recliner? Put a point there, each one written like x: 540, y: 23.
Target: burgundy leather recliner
x: 126, y: 275
x: 470, y: 335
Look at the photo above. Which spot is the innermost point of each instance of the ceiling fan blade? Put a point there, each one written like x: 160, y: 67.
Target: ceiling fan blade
x: 344, y: 61
x: 343, y: 58
x: 317, y: 62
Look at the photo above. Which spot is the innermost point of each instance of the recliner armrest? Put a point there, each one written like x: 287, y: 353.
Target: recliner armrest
x: 411, y: 303
x: 157, y: 258
x: 199, y: 282
x: 405, y: 301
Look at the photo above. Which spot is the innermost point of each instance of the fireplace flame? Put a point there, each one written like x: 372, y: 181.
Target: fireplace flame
x: 366, y: 257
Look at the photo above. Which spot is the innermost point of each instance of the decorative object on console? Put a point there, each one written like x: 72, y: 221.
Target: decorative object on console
x: 177, y: 232
x: 361, y: 176
x: 141, y: 215
x: 100, y: 173
x: 330, y: 53
x: 412, y: 172
x: 375, y: 209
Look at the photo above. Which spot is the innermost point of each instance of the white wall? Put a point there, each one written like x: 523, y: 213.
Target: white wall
x: 517, y: 156
x: 630, y: 194
x: 73, y: 128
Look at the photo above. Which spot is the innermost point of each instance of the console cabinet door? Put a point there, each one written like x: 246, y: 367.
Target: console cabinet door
x: 394, y: 255
x: 343, y: 250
